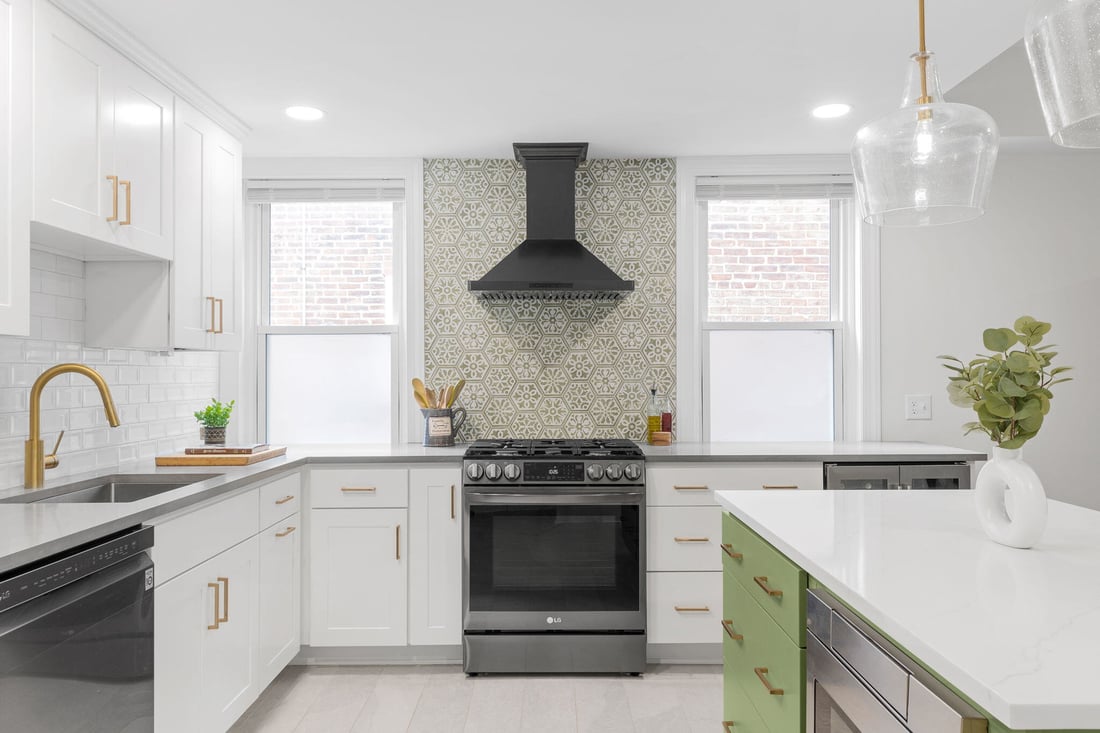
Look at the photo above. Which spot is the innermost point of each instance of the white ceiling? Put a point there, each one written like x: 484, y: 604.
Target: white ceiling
x: 632, y: 77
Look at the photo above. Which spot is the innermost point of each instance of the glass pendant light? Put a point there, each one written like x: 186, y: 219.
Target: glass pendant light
x: 930, y: 162
x: 1063, y: 44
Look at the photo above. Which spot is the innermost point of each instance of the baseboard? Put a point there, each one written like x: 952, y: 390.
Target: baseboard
x: 684, y: 653
x: 448, y: 654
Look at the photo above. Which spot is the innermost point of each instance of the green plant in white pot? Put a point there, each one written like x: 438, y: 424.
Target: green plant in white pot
x: 214, y: 418
x: 1009, y: 389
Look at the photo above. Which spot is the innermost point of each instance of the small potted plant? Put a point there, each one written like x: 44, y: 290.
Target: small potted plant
x: 213, y: 418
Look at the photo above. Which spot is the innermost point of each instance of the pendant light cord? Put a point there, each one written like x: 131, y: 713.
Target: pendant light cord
x: 922, y: 59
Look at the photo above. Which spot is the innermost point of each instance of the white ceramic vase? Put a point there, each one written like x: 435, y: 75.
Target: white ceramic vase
x: 1011, y: 503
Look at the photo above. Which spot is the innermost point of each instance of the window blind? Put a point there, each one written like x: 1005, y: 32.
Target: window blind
x: 272, y: 191
x: 830, y: 186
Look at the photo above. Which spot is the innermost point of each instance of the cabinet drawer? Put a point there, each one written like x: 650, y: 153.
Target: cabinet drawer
x: 684, y: 537
x: 684, y: 608
x: 183, y: 542
x: 738, y: 714
x: 336, y: 488
x: 280, y: 498
x: 765, y: 663
x: 773, y: 581
x: 679, y: 485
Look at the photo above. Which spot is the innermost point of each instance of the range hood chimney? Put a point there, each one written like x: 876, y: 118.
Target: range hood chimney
x: 551, y: 263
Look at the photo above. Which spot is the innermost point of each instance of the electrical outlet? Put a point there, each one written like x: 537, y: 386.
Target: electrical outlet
x: 918, y: 407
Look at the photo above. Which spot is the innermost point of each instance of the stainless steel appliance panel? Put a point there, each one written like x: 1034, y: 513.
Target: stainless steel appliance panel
x: 554, y: 653
x: 943, y: 476
x: 906, y: 476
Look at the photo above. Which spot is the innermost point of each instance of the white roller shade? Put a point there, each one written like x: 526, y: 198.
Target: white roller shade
x: 260, y: 191
x: 717, y: 188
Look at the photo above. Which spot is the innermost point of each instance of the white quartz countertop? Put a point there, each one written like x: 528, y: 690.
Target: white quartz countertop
x: 824, y: 452
x: 1018, y: 631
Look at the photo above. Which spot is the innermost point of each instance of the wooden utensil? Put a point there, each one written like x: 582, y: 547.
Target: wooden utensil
x: 445, y: 398
x: 420, y: 393
x: 431, y: 397
x: 455, y: 392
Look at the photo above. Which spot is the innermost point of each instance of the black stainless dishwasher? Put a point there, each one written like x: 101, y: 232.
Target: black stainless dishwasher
x: 76, y: 639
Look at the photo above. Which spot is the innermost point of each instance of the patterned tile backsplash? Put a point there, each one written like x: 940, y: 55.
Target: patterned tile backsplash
x: 551, y: 369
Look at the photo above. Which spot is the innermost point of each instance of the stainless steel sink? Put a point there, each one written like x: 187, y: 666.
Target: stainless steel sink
x: 123, y: 487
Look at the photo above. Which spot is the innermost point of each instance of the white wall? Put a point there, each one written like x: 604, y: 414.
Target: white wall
x: 156, y: 394
x: 1036, y: 252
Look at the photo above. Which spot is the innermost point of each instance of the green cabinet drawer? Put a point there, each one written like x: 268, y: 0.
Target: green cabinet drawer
x: 738, y: 714
x: 773, y: 581
x: 769, y: 667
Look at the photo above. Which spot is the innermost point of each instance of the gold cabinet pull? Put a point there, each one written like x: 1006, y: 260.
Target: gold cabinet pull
x: 126, y: 221
x: 692, y: 609
x: 704, y: 487
x: 452, y: 501
x: 217, y: 605
x: 361, y: 489
x: 761, y: 673
x: 727, y: 624
x: 285, y: 499
x: 224, y: 619
x: 728, y: 549
x: 397, y: 542
x: 727, y: 726
x: 221, y: 315
x: 212, y: 305
x: 114, y: 198
x: 762, y: 581
x: 691, y: 539
x: 779, y: 486
x: 286, y: 532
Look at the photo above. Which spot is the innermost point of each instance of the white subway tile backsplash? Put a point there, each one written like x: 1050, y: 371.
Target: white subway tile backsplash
x: 156, y: 393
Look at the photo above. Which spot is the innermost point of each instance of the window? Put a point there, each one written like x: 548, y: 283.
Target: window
x: 776, y: 277
x: 331, y: 289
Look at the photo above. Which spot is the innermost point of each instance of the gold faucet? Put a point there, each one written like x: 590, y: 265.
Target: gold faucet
x: 35, y: 460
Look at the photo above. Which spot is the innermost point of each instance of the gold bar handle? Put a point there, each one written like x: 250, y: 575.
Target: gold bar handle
x: 285, y: 499
x: 760, y: 674
x: 692, y: 609
x: 727, y: 624
x: 762, y: 581
x: 217, y: 605
x: 684, y: 540
x: 225, y: 600
x: 452, y: 501
x: 114, y: 198
x: 284, y: 534
x: 727, y: 726
x: 704, y: 487
x: 728, y: 549
x: 213, y: 304
x: 221, y: 315
x: 126, y: 221
x: 361, y: 489
x: 397, y: 542
x: 779, y: 486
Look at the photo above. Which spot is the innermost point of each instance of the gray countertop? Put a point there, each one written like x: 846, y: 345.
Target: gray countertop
x: 30, y: 532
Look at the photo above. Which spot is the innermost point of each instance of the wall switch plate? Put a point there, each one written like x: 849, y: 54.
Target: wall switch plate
x: 918, y: 407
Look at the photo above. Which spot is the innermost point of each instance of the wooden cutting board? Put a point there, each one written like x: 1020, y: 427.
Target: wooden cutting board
x: 182, y: 459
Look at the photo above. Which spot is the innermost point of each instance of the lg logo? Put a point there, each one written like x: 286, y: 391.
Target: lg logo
x: 553, y: 620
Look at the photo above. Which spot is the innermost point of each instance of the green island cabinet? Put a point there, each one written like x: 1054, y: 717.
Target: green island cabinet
x: 764, y: 639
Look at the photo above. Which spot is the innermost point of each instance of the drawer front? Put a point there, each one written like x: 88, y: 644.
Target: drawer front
x: 181, y: 543
x: 773, y: 581
x: 684, y: 537
x: 684, y: 608
x: 337, y: 488
x: 695, y: 484
x: 738, y: 714
x: 768, y: 666
x: 280, y: 498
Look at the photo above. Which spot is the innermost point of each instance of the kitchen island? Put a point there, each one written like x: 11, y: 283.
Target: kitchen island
x: 1017, y: 632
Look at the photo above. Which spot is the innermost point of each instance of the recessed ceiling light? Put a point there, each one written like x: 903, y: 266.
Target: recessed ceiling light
x: 829, y: 111
x: 304, y: 113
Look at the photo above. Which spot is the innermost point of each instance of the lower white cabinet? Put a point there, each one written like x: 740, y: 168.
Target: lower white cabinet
x: 280, y: 597
x: 435, y: 556
x: 358, y: 571
x: 205, y: 623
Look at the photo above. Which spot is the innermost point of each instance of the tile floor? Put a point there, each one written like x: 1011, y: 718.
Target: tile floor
x: 668, y: 698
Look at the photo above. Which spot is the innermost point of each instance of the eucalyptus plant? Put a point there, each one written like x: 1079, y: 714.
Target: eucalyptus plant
x: 1009, y: 389
x: 216, y: 414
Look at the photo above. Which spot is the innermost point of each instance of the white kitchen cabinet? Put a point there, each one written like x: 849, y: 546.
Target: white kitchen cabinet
x: 358, y: 568
x: 15, y: 166
x: 280, y: 597
x: 435, y: 556
x: 206, y: 626
x: 102, y: 147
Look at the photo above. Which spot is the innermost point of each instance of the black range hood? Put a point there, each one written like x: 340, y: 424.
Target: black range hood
x: 551, y: 263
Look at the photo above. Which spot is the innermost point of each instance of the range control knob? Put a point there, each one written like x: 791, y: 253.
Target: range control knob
x: 473, y: 471
x: 633, y: 471
x: 511, y: 472
x: 594, y: 471
x: 492, y: 472
x: 614, y: 472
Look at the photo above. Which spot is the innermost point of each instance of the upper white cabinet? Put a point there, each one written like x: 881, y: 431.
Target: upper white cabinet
x: 15, y: 101
x: 102, y: 147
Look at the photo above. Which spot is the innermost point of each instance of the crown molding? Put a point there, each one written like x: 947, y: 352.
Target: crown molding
x: 111, y: 32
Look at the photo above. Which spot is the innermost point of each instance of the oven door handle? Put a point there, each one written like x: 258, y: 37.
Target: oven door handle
x: 616, y: 497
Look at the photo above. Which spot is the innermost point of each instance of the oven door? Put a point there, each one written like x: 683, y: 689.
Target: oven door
x: 563, y: 559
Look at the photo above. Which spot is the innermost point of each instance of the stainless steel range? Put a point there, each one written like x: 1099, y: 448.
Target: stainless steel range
x: 554, y: 556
